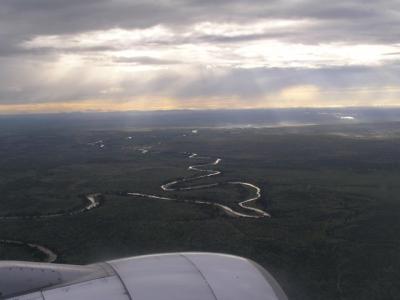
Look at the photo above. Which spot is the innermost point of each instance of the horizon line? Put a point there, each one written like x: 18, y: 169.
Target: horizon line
x: 34, y: 113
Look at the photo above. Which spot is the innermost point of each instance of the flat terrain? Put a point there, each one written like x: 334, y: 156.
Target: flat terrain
x: 333, y: 193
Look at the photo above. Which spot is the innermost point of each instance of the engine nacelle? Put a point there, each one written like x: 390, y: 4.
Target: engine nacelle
x: 175, y: 276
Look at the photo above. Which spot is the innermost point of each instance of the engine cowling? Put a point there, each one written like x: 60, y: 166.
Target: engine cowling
x: 175, y: 276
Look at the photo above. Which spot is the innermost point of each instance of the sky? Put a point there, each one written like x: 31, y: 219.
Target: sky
x: 117, y: 55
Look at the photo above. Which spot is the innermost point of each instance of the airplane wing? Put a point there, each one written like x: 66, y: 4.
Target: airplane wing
x: 176, y: 276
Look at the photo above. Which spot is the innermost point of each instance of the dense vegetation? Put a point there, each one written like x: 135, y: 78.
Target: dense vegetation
x: 333, y: 193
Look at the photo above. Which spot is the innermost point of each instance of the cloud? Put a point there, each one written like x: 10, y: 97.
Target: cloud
x: 193, y: 87
x: 341, y: 20
x: 145, y: 60
x: 207, y: 53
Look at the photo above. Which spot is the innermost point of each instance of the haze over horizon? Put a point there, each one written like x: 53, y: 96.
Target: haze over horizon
x: 119, y: 55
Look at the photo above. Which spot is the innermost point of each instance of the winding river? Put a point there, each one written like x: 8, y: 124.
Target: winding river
x: 50, y: 256
x: 93, y: 201
x: 172, y: 187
